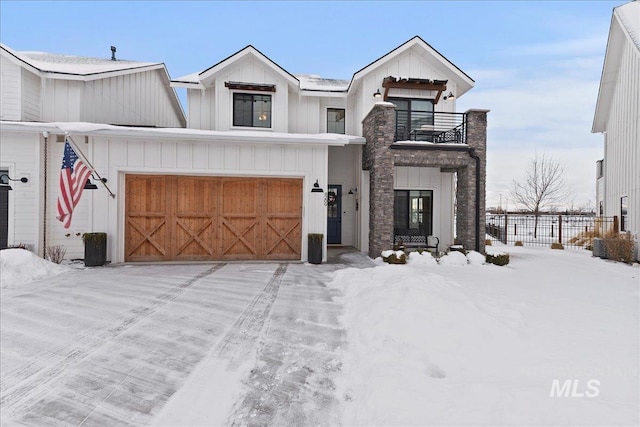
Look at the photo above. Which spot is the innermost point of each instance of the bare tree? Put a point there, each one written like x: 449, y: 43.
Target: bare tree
x: 544, y: 185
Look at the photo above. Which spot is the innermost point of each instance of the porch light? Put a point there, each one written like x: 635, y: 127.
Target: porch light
x: 377, y: 95
x: 5, y: 178
x: 450, y: 96
x: 316, y: 188
x: 91, y: 186
x: 353, y: 190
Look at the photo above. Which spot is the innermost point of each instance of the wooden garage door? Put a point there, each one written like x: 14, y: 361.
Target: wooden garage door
x: 174, y: 218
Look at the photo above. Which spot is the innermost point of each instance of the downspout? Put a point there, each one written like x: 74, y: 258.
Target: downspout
x: 45, y: 134
x: 477, y: 159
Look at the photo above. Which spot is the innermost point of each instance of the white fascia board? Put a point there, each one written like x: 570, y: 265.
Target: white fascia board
x: 101, y: 75
x: 247, y: 137
x: 610, y: 70
x: 323, y: 94
x: 464, y: 82
x: 250, y: 50
x: 188, y: 85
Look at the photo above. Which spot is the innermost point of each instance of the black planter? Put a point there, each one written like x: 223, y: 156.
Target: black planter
x: 95, y: 249
x: 315, y: 248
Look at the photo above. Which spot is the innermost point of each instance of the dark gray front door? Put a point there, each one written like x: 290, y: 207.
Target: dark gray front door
x: 334, y: 215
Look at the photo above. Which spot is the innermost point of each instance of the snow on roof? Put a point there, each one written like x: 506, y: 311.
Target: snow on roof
x: 77, y: 65
x: 629, y: 16
x: 315, y: 82
x: 241, y: 136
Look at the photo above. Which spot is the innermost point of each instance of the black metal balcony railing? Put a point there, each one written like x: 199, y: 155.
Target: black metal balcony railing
x: 436, y: 127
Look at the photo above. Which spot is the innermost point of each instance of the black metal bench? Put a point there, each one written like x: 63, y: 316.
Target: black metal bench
x: 414, y: 238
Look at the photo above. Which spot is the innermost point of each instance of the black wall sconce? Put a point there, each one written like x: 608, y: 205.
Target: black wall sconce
x: 5, y: 178
x: 91, y: 186
x: 353, y: 190
x: 316, y: 188
x: 377, y: 95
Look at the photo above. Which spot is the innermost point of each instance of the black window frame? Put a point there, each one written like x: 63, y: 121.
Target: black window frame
x: 624, y: 213
x: 344, y: 119
x: 406, y: 116
x: 251, y: 117
x: 402, y: 211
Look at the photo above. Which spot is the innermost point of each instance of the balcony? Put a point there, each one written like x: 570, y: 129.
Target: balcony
x: 435, y: 127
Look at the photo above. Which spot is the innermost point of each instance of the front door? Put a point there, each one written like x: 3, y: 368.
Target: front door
x: 334, y: 215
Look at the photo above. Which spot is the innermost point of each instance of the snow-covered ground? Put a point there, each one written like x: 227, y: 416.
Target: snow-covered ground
x: 550, y: 339
x: 467, y: 344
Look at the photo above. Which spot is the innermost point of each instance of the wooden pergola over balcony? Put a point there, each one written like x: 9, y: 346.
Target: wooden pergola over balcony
x: 411, y: 83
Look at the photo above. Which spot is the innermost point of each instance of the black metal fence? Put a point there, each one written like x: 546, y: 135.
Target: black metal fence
x: 437, y: 127
x: 573, y: 231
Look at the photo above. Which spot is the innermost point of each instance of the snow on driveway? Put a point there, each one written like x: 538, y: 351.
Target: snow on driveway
x: 453, y: 343
x: 214, y: 344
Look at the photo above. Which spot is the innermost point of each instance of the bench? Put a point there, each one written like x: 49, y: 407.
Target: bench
x: 414, y: 238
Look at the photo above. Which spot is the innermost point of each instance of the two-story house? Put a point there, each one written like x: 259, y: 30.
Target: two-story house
x: 617, y: 117
x: 267, y: 157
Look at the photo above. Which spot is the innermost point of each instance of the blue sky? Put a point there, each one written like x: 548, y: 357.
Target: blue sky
x: 536, y: 64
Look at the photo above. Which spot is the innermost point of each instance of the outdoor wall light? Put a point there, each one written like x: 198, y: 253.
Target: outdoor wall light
x: 91, y: 186
x: 377, y: 95
x: 5, y: 178
x: 353, y: 190
x: 450, y: 96
x: 316, y: 188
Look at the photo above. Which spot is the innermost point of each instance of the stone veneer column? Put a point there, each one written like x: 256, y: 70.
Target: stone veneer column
x: 469, y: 192
x: 378, y: 128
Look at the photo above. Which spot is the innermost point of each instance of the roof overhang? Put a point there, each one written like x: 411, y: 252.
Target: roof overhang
x: 463, y: 82
x: 202, y: 79
x: 182, y: 134
x: 618, y: 36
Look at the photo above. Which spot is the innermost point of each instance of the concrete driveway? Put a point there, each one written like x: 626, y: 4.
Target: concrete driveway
x: 111, y: 345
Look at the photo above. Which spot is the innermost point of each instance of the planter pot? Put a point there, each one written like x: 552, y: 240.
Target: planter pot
x: 95, y: 249
x: 315, y: 248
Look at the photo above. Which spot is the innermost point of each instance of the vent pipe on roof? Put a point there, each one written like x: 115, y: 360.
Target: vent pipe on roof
x: 113, y: 53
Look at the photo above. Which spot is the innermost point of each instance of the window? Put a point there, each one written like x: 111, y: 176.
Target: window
x: 335, y: 120
x: 413, y: 210
x: 624, y: 217
x: 252, y: 110
x: 413, y: 115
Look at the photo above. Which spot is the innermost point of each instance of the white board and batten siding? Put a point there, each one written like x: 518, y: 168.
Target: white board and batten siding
x: 136, y: 99
x: 20, y: 154
x: 113, y: 158
x: 10, y: 90
x: 212, y: 108
x: 622, y: 141
x: 441, y: 183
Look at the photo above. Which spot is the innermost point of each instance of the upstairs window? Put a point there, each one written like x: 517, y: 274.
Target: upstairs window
x: 335, y: 120
x: 252, y: 110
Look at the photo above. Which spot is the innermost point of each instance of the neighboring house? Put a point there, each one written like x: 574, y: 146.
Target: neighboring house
x: 617, y: 116
x: 267, y: 157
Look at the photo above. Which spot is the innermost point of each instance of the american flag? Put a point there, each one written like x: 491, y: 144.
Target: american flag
x: 73, y: 177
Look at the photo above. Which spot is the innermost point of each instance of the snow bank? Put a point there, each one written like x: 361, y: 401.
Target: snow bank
x: 20, y: 266
x: 482, y: 346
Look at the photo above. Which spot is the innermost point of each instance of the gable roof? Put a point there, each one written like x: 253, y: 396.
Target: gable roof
x: 196, y: 79
x: 625, y: 28
x: 464, y: 82
x: 68, y: 67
